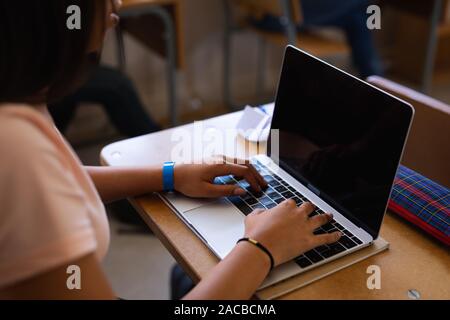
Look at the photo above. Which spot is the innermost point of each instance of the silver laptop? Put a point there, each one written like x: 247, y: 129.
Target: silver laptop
x: 338, y: 144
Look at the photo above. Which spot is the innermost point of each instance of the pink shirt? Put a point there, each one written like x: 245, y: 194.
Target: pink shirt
x: 50, y: 211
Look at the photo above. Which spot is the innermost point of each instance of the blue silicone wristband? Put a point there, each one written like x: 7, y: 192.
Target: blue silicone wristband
x: 168, y: 176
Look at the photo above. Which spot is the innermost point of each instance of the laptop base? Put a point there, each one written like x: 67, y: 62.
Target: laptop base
x: 303, y: 279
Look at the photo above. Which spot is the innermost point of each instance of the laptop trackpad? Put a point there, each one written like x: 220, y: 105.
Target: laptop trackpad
x: 220, y: 223
x: 183, y: 204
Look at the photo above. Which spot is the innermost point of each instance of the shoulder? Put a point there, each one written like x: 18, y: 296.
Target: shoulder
x: 44, y: 217
x: 23, y: 135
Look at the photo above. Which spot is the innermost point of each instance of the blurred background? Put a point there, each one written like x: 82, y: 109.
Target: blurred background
x: 220, y: 55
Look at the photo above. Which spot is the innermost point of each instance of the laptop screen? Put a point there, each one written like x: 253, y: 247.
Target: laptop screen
x: 339, y: 136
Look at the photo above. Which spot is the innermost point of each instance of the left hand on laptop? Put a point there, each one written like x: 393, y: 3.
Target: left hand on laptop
x: 197, y: 180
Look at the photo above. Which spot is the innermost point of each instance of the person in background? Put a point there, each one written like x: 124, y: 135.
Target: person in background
x: 348, y: 15
x: 51, y: 207
x: 116, y: 94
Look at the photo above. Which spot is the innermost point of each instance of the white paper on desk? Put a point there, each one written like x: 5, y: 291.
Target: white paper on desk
x: 268, y: 108
x: 254, y: 124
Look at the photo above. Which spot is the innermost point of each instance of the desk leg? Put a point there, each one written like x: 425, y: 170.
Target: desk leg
x: 228, y: 55
x: 170, y: 37
x: 261, y: 65
x: 171, y: 49
x: 288, y: 22
x: 291, y: 33
x: 430, y: 57
x: 121, y: 58
x: 227, y: 52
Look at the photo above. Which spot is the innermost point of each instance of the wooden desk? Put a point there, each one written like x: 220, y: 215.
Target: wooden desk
x: 414, y: 260
x: 149, y: 30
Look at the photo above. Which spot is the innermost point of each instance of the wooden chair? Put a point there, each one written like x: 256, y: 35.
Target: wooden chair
x: 237, y: 14
x: 427, y: 150
x: 291, y: 10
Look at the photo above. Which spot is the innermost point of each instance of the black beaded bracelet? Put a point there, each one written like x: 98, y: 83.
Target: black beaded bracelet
x: 260, y: 246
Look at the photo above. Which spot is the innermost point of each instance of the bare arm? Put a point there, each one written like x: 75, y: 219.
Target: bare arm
x: 225, y: 281
x: 115, y: 183
x: 194, y: 180
x: 52, y: 285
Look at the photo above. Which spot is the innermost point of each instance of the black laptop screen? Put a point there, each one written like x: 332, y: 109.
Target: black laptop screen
x: 340, y: 136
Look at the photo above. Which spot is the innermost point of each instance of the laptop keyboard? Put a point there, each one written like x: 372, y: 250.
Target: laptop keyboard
x: 278, y: 191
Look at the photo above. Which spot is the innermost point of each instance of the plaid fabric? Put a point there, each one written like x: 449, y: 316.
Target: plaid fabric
x: 422, y: 202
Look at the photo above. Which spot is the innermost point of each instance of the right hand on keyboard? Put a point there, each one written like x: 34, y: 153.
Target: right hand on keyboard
x: 287, y: 231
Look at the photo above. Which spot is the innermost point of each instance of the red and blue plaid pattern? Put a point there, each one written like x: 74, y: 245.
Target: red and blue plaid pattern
x: 422, y: 202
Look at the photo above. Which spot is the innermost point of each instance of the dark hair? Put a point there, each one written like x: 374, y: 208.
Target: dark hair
x: 41, y: 60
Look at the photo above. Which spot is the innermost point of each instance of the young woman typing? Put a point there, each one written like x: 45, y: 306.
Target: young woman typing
x: 51, y: 211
